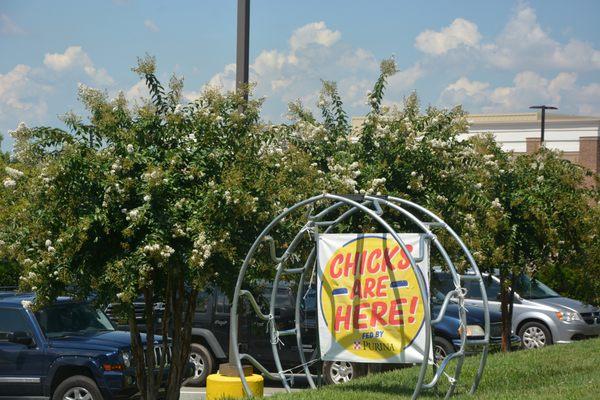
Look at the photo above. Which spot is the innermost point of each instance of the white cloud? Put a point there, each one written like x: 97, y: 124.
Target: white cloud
x: 21, y: 95
x: 460, y: 33
x: 524, y: 44
x: 528, y: 88
x: 315, y: 52
x: 137, y: 92
x: 224, y: 79
x: 151, y: 25
x: 464, y: 89
x: 74, y: 57
x: 9, y: 27
x: 406, y: 78
x: 313, y: 33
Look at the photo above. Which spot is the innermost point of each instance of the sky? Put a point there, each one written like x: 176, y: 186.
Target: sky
x: 489, y: 56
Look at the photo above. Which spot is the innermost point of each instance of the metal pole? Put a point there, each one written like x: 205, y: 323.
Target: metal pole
x: 543, y: 126
x: 241, y: 83
x: 543, y: 129
x: 243, y: 45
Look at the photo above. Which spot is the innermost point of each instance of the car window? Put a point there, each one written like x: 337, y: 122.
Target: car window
x: 533, y: 289
x: 473, y: 290
x: 12, y: 321
x: 492, y: 289
x: 310, y: 300
x: 202, y: 302
x: 222, y: 304
x: 68, y: 319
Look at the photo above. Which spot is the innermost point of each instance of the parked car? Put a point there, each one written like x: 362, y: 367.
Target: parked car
x: 446, y: 337
x: 541, y: 316
x: 68, y: 350
x: 210, y: 333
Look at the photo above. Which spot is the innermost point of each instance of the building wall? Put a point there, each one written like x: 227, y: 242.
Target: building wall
x: 577, y: 137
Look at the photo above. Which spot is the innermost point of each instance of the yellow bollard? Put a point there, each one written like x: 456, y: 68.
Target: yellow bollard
x: 219, y: 386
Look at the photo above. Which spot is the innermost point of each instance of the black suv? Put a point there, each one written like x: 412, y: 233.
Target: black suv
x: 210, y: 346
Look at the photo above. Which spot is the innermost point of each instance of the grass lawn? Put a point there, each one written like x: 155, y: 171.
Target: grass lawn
x: 556, y: 372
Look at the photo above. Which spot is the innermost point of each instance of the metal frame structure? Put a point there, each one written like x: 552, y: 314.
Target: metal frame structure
x: 373, y: 207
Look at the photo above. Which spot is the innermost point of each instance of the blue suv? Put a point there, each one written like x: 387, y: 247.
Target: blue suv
x: 69, y: 350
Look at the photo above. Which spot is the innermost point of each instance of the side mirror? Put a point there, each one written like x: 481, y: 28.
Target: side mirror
x: 518, y: 299
x: 20, y: 337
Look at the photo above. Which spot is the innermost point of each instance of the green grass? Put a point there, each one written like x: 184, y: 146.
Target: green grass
x: 556, y: 372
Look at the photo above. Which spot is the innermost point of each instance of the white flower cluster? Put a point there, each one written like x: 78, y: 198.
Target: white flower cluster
x: 115, y: 167
x: 376, y: 184
x: 202, y: 250
x: 14, y: 173
x: 496, y: 204
x: 163, y: 251
x: 49, y: 247
x: 439, y: 144
x: 344, y: 174
x: 178, y: 231
x: 134, y: 215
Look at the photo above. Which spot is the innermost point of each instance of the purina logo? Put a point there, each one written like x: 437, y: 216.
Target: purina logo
x: 357, y: 345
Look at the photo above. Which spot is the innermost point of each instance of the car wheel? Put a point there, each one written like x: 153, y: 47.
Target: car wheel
x: 337, y: 372
x: 535, y: 335
x: 203, y: 363
x: 442, y: 348
x: 77, y: 387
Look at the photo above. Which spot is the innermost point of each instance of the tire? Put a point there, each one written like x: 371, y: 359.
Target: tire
x: 203, y: 362
x: 535, y: 335
x: 441, y: 349
x: 77, y: 387
x: 338, y: 372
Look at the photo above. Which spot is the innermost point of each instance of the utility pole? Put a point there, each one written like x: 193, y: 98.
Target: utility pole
x: 243, y: 46
x: 241, y: 83
x: 543, y: 108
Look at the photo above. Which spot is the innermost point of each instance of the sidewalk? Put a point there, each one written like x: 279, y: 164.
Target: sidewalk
x: 190, y: 393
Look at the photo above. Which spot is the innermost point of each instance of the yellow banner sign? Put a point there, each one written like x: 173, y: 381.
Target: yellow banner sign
x: 370, y: 304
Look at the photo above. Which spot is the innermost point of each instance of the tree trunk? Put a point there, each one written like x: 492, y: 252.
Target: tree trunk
x: 504, y: 308
x: 151, y: 392
x: 137, y: 352
x: 511, y: 306
x: 166, y: 318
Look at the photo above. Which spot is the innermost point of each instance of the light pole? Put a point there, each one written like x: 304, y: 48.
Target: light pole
x: 241, y: 83
x: 543, y: 108
x: 243, y: 45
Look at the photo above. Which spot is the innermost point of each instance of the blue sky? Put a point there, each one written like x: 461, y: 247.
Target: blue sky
x: 490, y: 56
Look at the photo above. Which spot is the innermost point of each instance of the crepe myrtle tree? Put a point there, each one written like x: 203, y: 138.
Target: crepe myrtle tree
x: 545, y: 223
x: 517, y: 213
x: 160, y: 199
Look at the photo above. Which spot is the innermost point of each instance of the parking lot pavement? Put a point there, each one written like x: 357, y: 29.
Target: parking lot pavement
x: 190, y: 393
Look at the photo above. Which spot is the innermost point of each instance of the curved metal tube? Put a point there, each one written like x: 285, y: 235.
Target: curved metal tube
x: 234, y: 351
x: 481, y: 284
x: 310, y: 260
x: 235, y: 357
x: 255, y: 306
x: 455, y: 278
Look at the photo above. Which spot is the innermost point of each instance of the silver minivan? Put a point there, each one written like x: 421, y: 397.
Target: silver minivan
x: 540, y: 315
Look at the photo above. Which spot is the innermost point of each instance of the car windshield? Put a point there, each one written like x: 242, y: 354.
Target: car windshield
x: 531, y: 289
x: 72, y: 319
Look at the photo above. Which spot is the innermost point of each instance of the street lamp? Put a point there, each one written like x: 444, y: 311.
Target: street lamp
x: 543, y: 108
